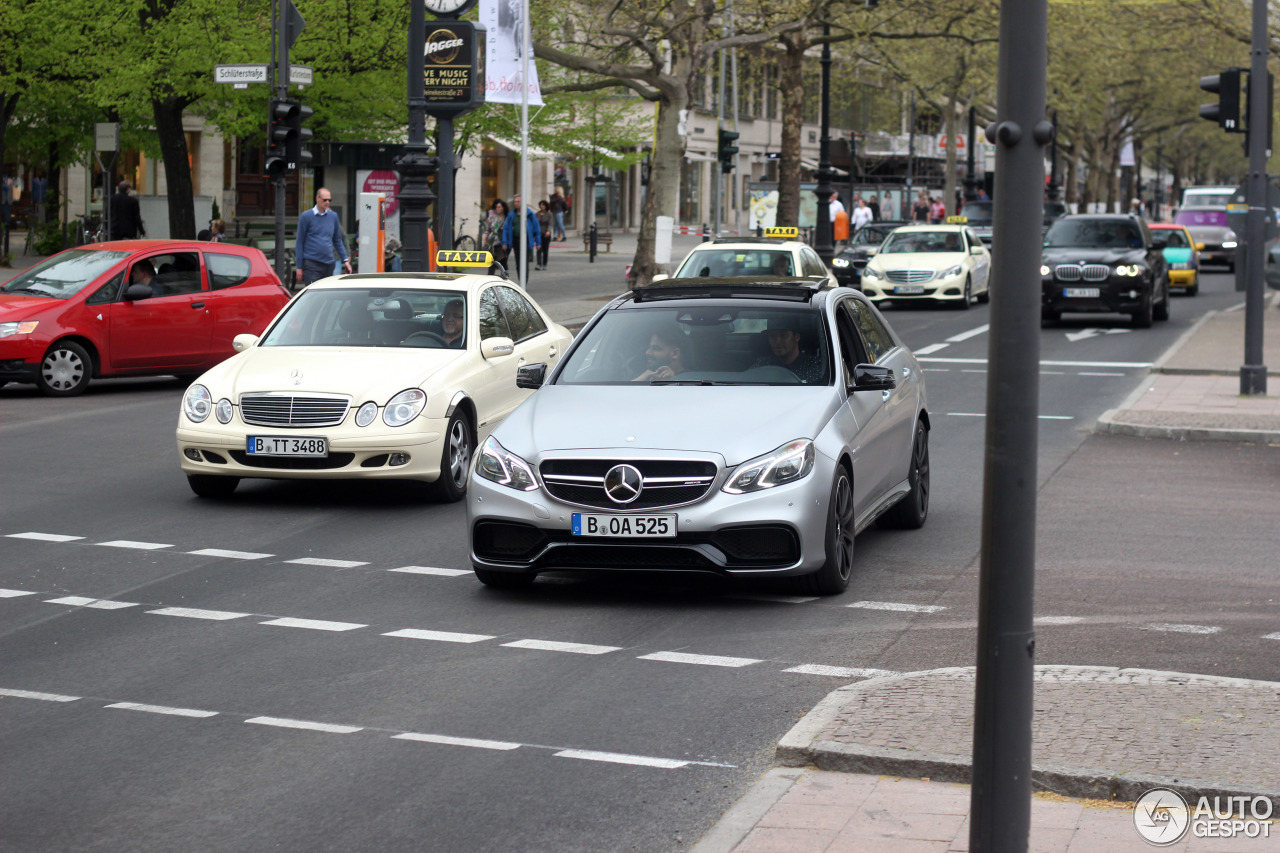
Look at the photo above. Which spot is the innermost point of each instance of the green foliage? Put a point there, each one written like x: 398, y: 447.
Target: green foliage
x: 48, y: 238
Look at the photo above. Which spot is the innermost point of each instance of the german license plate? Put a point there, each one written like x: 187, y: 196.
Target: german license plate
x: 286, y: 445
x: 1081, y: 292
x: 624, y: 526
x: 909, y: 288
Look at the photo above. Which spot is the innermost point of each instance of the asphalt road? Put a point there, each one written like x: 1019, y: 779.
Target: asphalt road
x: 312, y: 667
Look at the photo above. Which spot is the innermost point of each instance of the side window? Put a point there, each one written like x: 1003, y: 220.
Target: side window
x: 874, y: 334
x: 175, y: 273
x: 226, y: 270
x: 812, y: 263
x: 524, y: 319
x: 109, y: 292
x: 851, y: 351
x: 492, y: 323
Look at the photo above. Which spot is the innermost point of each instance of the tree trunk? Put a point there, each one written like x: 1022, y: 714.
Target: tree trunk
x: 949, y: 175
x: 792, y: 68
x: 663, y: 196
x: 177, y: 167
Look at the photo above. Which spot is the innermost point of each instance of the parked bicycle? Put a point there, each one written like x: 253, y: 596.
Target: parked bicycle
x: 90, y: 230
x: 465, y: 243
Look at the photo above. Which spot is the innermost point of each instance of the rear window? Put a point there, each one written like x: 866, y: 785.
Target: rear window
x: 737, y: 262
x: 1216, y: 218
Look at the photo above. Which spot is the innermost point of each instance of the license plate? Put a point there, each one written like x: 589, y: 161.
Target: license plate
x: 909, y: 288
x: 624, y: 526
x: 286, y: 445
x: 1081, y: 292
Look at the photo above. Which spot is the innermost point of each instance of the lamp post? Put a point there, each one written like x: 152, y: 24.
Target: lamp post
x: 822, y: 243
x: 415, y: 165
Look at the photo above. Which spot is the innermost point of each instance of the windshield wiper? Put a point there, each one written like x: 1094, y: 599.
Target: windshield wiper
x: 29, y: 290
x: 688, y: 382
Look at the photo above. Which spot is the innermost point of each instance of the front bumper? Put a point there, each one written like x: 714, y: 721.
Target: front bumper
x: 1115, y: 295
x: 1183, y: 278
x: 937, y: 290
x: 775, y: 532
x: 18, y: 370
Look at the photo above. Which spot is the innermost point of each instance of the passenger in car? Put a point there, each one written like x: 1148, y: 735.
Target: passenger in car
x: 665, y: 355
x: 784, y: 334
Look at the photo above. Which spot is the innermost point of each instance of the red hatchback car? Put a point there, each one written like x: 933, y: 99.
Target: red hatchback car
x: 132, y: 308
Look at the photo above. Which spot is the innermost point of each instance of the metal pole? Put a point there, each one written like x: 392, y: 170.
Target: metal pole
x: 280, y: 87
x: 822, y: 239
x: 734, y: 184
x: 1253, y: 373
x: 414, y: 165
x: 1159, y: 201
x: 970, y: 178
x: 908, y: 213
x: 444, y: 182
x: 717, y: 170
x: 1001, y: 791
x: 521, y: 232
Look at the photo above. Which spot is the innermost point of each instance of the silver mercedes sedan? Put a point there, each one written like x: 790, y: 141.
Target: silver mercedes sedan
x: 708, y: 425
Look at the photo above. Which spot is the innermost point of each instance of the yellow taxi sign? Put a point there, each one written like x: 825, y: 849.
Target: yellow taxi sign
x: 787, y: 232
x: 455, y: 258
x: 1237, y: 208
x: 957, y: 220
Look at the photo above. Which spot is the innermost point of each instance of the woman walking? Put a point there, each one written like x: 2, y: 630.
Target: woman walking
x: 494, y: 222
x: 545, y: 222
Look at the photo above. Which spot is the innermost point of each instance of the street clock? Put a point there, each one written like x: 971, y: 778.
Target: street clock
x: 448, y: 7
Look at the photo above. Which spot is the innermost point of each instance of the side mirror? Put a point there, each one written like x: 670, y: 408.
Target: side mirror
x: 975, y: 250
x: 1199, y: 247
x: 137, y: 291
x: 870, y: 377
x: 871, y: 250
x: 492, y: 348
x: 240, y: 343
x: 531, y: 376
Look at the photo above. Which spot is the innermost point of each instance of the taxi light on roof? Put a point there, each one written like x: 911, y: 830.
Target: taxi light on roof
x: 789, y: 232
x: 455, y: 258
x: 957, y: 220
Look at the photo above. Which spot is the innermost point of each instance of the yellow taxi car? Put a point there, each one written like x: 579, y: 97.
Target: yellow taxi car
x: 778, y: 253
x: 944, y: 263
x: 1180, y: 252
x: 374, y: 376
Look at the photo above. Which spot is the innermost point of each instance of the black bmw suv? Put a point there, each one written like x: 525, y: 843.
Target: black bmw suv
x: 1103, y: 263
x: 848, y: 265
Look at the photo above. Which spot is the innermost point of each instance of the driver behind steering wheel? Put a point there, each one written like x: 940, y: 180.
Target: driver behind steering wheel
x: 451, y: 324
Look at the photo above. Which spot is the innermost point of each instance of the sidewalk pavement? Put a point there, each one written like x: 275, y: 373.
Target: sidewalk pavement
x: 884, y: 764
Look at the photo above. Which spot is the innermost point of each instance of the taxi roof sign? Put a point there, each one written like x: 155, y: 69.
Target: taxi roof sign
x: 784, y: 232
x: 957, y: 220
x: 455, y: 258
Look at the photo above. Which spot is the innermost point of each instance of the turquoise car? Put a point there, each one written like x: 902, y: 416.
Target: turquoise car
x: 1180, y: 254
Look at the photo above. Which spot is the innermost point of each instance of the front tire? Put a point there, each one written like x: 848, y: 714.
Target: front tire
x: 209, y: 486
x: 833, y: 577
x: 455, y: 459
x: 1161, y: 311
x: 967, y: 300
x: 65, y: 370
x: 910, y: 512
x: 1143, y: 316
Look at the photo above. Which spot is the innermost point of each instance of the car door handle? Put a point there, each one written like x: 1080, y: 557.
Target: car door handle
x: 195, y: 305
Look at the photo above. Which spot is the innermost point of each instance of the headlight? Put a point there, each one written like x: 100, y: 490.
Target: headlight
x: 24, y: 328
x: 366, y: 414
x: 1229, y: 241
x: 1128, y: 270
x: 224, y: 411
x: 197, y: 403
x: 872, y: 272
x: 503, y: 467
x: 404, y: 407
x: 790, y: 462
x: 1044, y: 269
x: 952, y: 271
x: 840, y: 262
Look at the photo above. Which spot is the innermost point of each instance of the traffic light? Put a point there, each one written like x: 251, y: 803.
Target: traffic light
x: 296, y: 154
x: 1248, y: 112
x: 276, y: 163
x: 1227, y: 111
x: 728, y: 150
x: 285, y: 136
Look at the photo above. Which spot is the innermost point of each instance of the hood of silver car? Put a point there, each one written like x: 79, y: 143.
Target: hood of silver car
x: 735, y: 422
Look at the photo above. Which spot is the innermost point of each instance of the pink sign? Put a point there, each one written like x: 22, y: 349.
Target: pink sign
x: 387, y: 183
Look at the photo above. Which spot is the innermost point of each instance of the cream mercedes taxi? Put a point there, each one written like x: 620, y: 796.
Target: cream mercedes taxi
x: 945, y: 263
x: 378, y: 376
x: 778, y: 253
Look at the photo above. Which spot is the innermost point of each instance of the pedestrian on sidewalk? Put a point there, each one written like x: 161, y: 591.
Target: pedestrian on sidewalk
x: 873, y: 205
x: 558, y: 206
x: 920, y: 210
x: 861, y: 215
x: 319, y: 241
x: 126, y: 215
x: 545, y: 223
x: 511, y: 233
x: 494, y: 224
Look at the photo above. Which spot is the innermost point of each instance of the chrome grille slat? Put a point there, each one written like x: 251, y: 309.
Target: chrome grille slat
x: 667, y: 482
x: 287, y: 410
x: 1077, y: 272
x: 909, y: 276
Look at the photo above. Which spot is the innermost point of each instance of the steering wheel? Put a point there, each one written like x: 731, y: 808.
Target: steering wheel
x: 442, y: 344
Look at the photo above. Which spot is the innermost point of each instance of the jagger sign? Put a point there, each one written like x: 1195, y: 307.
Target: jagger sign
x: 453, y: 68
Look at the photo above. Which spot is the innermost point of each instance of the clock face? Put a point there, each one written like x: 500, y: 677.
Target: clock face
x: 447, y: 7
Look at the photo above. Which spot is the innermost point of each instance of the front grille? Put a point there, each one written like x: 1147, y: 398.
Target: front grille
x: 637, y: 557
x: 277, y: 409
x: 667, y: 482
x: 909, y: 276
x: 294, y: 463
x: 1077, y: 272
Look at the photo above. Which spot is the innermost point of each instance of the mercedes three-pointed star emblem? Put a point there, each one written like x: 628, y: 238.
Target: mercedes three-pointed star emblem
x: 623, y: 484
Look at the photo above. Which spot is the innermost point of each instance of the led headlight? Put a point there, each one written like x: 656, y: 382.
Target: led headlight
x: 1044, y: 269
x: 501, y: 466
x: 790, y: 462
x: 951, y: 272
x: 197, y: 403
x: 404, y: 407
x: 224, y: 411
x: 872, y: 272
x: 840, y: 262
x: 1229, y: 241
x: 24, y: 328
x: 1128, y: 270
x: 366, y: 414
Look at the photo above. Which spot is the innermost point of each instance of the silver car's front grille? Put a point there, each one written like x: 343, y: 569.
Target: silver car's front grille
x: 666, y: 482
x: 909, y: 276
x: 282, y: 409
x: 1077, y: 272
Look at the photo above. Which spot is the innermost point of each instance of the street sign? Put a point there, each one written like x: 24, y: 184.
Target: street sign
x: 301, y: 75
x: 106, y: 136
x: 240, y: 75
x: 944, y: 142
x: 294, y: 22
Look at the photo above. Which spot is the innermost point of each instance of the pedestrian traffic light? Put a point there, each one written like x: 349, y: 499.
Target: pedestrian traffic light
x: 728, y: 150
x: 1227, y: 111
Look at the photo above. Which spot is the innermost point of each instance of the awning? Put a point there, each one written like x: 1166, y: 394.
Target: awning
x: 809, y: 164
x: 534, y: 152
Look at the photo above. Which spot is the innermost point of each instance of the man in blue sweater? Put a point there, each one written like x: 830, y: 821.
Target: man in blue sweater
x: 319, y: 241
x: 511, y: 233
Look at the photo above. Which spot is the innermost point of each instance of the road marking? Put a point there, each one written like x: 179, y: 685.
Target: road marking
x: 1125, y: 364
x: 780, y: 599
x: 281, y: 722
x: 966, y: 414
x: 1089, y: 333
x: 1058, y: 620
x: 328, y: 564
x: 839, y: 671
x: 43, y: 697
x: 619, y: 758
x: 897, y: 607
x: 983, y: 415
x: 1095, y: 373
x: 441, y: 636
x: 1053, y: 373
x: 1056, y: 417
x: 161, y: 709
x: 128, y: 543
x: 935, y: 369
x: 553, y: 646
x: 972, y: 333
x: 314, y: 624
x: 457, y: 741
x: 1176, y: 628
x: 231, y: 555
x: 968, y: 370
x: 15, y: 593
x: 431, y: 570
x: 44, y: 537
x: 96, y: 603
x: 1275, y: 636
x: 931, y: 348
x: 194, y: 613
x: 700, y: 660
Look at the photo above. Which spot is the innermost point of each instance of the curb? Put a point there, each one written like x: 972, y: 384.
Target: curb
x: 801, y: 748
x: 1108, y: 425
x: 742, y: 817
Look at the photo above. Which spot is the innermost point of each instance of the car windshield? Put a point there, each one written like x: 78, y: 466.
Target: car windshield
x: 977, y: 212
x: 737, y: 262
x: 911, y: 242
x: 869, y: 235
x: 721, y: 344
x: 65, y: 274
x: 1169, y: 238
x: 1093, y: 234
x: 372, y: 317
x: 1213, y: 218
x: 1220, y: 197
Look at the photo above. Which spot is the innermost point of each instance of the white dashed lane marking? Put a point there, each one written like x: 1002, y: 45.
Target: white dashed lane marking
x: 43, y: 697
x: 230, y: 555
x: 139, y: 546
x: 43, y: 537
x: 983, y: 415
x: 281, y: 722
x: 1058, y: 620
x: 431, y: 570
x: 439, y: 636
x: 161, y: 709
x: 314, y: 624
x: 699, y: 660
x: 840, y: 671
x: 972, y: 333
x: 553, y: 646
x: 95, y: 603
x: 896, y: 607
x: 931, y: 348
x: 194, y: 613
x: 619, y: 758
x: 15, y: 593
x: 1275, y: 636
x: 328, y: 564
x: 1176, y: 628
x: 473, y: 743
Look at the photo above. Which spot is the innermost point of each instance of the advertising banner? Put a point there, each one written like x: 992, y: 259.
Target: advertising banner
x: 504, y: 25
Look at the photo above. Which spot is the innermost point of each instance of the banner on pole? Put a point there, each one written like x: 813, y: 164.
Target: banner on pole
x: 504, y: 22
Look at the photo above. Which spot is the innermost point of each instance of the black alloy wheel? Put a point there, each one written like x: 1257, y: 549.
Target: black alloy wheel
x: 833, y: 577
x: 911, y: 512
x: 1161, y: 312
x: 967, y: 300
